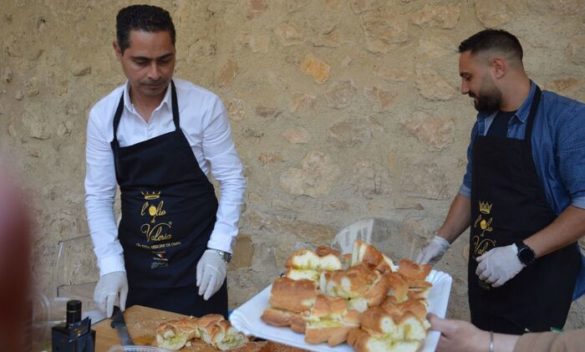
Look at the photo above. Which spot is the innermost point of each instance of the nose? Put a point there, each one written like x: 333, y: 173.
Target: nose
x: 154, y: 71
x: 464, y: 87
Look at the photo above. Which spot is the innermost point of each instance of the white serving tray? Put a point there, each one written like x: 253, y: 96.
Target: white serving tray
x: 246, y: 318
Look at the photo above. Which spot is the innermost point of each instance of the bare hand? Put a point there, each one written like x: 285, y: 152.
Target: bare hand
x: 459, y: 336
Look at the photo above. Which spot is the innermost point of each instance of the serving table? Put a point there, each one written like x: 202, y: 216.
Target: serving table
x: 142, y: 322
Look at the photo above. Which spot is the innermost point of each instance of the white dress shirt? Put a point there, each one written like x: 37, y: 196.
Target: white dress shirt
x: 204, y: 122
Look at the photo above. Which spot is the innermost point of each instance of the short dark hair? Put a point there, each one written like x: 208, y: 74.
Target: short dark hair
x: 142, y: 17
x: 493, y: 39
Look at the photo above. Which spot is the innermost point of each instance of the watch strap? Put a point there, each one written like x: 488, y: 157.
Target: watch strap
x: 525, y: 254
x: 226, y: 256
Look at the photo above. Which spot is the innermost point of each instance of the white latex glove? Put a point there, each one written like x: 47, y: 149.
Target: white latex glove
x: 499, y: 265
x: 433, y: 251
x: 211, y: 271
x: 111, y: 288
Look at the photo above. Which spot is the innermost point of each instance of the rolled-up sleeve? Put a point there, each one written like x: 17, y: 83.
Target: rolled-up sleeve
x: 226, y: 167
x: 100, y: 191
x: 571, y: 155
x: 465, y: 188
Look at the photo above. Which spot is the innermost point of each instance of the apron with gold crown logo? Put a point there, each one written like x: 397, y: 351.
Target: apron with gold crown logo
x: 168, y: 212
x: 508, y: 204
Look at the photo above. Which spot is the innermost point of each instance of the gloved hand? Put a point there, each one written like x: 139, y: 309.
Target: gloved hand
x: 211, y: 272
x: 109, y: 289
x: 433, y: 251
x: 499, y: 265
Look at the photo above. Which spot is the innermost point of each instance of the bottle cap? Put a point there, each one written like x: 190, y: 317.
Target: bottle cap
x: 73, y: 311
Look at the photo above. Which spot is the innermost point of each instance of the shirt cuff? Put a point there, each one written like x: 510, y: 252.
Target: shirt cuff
x: 578, y: 202
x: 221, y: 242
x: 465, y: 191
x: 111, y: 264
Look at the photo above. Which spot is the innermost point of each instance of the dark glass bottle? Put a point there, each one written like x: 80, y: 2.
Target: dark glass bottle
x: 76, y: 334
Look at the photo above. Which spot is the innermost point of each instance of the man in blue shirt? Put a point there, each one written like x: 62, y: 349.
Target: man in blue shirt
x: 523, y: 194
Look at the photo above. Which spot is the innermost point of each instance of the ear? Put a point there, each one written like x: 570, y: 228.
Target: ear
x: 498, y: 66
x: 117, y: 49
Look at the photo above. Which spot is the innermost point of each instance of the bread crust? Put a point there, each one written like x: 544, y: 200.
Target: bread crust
x: 350, y: 283
x: 174, y: 334
x: 293, y: 295
x: 397, y: 286
x: 279, y: 317
x: 413, y: 271
x: 322, y: 258
x: 332, y: 335
x: 415, y: 306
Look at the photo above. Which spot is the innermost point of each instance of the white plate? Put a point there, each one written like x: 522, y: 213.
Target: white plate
x: 246, y: 318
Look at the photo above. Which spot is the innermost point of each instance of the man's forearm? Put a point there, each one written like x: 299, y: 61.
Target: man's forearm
x: 104, y: 233
x: 458, y: 218
x: 567, y: 228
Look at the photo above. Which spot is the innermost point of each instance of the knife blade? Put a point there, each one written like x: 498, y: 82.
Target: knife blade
x: 119, y: 324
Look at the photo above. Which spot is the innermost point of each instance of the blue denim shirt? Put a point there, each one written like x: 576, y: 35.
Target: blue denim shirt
x: 558, y: 147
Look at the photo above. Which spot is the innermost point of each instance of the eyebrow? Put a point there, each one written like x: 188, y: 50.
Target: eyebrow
x: 165, y: 56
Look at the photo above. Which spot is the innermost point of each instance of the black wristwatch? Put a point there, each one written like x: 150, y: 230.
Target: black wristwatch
x: 226, y: 256
x: 525, y: 254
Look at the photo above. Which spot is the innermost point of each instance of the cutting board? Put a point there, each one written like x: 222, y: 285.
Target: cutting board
x: 142, y: 322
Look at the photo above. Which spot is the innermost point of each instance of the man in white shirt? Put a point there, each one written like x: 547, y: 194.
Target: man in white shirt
x: 158, y: 139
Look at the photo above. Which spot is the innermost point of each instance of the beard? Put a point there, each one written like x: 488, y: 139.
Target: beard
x: 488, y: 99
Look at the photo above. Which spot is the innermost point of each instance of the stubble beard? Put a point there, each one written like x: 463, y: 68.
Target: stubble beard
x: 489, y: 99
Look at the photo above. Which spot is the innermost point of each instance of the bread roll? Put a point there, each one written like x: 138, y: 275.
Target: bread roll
x: 330, y: 331
x: 322, y: 258
x: 363, y: 342
x: 368, y: 254
x: 397, y: 286
x: 302, y: 274
x: 329, y: 258
x: 329, y: 321
x: 279, y: 317
x: 378, y: 322
x: 415, y: 306
x: 224, y: 336
x: 174, y: 334
x: 411, y: 327
x: 218, y: 332
x: 208, y: 320
x: 413, y: 271
x: 293, y: 295
x: 350, y: 283
x: 395, y: 325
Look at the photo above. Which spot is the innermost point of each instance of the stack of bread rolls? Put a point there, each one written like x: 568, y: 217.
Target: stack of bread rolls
x: 213, y: 329
x: 364, y: 299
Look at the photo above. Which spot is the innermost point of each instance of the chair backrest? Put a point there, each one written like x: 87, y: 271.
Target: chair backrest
x: 73, y: 276
x: 360, y: 230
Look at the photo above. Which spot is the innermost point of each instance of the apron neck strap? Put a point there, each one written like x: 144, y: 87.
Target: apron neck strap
x: 117, y: 117
x: 120, y: 108
x: 175, y: 105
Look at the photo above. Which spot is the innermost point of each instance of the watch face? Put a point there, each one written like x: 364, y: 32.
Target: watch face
x: 526, y: 255
x: 226, y: 256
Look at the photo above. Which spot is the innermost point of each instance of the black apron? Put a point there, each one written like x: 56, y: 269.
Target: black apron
x: 508, y: 204
x: 168, y: 213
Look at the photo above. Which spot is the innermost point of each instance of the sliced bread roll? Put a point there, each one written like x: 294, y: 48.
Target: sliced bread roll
x: 218, y: 332
x: 278, y: 317
x: 329, y: 321
x: 174, y: 334
x: 293, y: 295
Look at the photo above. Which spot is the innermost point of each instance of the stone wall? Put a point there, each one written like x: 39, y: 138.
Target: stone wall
x: 340, y: 109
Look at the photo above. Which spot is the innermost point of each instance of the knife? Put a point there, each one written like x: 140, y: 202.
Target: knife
x: 119, y: 324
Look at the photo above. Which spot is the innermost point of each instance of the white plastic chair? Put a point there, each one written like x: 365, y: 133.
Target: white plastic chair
x: 360, y: 230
